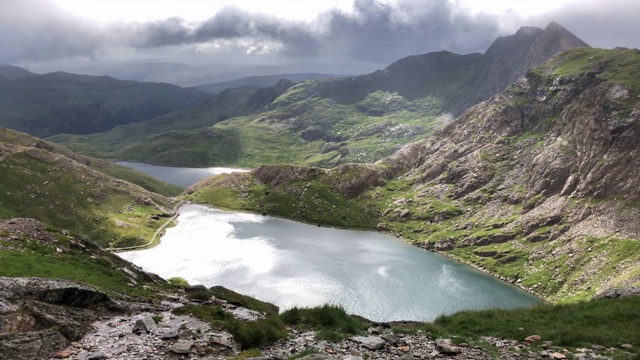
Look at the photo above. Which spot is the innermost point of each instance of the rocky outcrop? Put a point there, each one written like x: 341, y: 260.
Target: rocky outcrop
x: 619, y: 293
x: 39, y: 316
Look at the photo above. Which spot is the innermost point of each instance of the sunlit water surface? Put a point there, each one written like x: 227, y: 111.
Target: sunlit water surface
x: 183, y: 177
x: 293, y: 264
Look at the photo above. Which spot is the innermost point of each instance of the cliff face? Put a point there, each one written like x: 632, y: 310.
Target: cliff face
x: 538, y: 185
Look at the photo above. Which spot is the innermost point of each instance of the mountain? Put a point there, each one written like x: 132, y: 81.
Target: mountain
x: 54, y: 103
x: 459, y: 81
x: 261, y: 81
x: 328, y: 122
x: 537, y: 185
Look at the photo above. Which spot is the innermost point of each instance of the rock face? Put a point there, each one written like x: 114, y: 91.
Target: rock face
x: 619, y: 292
x: 39, y: 316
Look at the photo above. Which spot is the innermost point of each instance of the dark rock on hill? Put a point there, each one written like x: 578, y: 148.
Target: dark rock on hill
x: 49, y: 104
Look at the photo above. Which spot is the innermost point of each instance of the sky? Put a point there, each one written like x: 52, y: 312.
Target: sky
x: 355, y: 36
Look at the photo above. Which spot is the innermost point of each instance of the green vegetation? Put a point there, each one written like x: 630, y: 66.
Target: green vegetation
x: 606, y: 322
x: 249, y: 334
x: 72, y: 258
x: 331, y: 321
x: 40, y: 182
x: 295, y: 128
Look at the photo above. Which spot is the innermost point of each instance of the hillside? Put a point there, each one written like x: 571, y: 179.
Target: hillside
x: 49, y: 104
x: 329, y: 122
x: 537, y: 185
x: 46, y: 182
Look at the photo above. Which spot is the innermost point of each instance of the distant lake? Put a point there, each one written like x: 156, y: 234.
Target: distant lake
x: 183, y: 177
x: 294, y: 264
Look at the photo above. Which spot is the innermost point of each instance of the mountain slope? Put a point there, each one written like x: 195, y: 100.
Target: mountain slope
x: 335, y: 121
x: 45, y: 105
x: 58, y: 188
x: 537, y: 185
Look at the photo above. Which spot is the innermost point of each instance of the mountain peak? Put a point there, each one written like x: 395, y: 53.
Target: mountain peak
x: 509, y: 57
x: 565, y: 38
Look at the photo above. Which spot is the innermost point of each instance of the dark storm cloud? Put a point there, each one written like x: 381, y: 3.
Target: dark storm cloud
x: 373, y: 31
x: 35, y: 30
x: 386, y: 32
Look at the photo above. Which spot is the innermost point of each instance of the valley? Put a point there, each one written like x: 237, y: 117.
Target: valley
x: 520, y: 162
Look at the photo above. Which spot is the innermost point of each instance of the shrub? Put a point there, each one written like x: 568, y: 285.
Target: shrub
x: 325, y: 317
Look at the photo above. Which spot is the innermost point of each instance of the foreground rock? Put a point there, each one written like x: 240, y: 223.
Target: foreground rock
x: 39, y: 316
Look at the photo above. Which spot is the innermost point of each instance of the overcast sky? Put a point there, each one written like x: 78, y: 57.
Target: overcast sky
x: 357, y: 34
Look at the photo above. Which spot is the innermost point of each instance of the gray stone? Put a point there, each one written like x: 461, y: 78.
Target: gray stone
x: 620, y: 292
x: 98, y: 355
x: 30, y: 345
x: 391, y: 339
x: 181, y: 347
x: 446, y: 346
x: 626, y: 346
x: 145, y: 325
x: 169, y: 335
x: 369, y: 342
x: 317, y: 357
x: 221, y: 340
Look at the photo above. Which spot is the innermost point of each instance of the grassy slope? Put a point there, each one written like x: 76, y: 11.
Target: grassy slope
x: 106, y: 167
x: 70, y: 257
x: 41, y: 183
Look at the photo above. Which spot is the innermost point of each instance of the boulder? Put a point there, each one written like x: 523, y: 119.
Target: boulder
x: 532, y: 338
x: 619, y: 292
x: 31, y: 345
x: 446, y: 346
x: 181, y: 347
x: 369, y: 342
x: 144, y: 325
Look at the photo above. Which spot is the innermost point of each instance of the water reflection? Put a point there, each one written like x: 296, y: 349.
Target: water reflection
x: 293, y: 264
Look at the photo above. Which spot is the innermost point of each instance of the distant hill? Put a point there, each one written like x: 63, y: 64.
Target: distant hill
x: 54, y: 103
x: 327, y: 122
x: 10, y: 72
x: 261, y: 81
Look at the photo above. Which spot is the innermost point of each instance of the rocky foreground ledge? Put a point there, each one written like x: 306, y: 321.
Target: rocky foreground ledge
x: 59, y: 319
